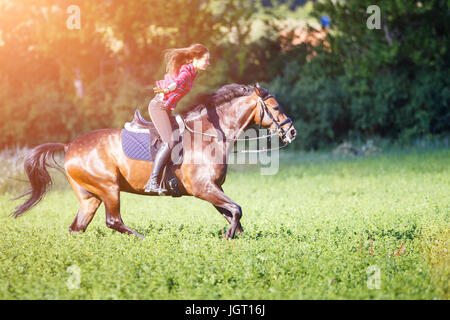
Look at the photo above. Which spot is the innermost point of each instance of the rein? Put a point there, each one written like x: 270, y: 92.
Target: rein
x: 263, y: 108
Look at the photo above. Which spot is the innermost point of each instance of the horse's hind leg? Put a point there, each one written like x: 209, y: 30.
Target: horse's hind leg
x: 111, y: 198
x: 89, y: 204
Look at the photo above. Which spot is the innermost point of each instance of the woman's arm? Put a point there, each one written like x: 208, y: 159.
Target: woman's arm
x: 178, y: 82
x: 170, y: 87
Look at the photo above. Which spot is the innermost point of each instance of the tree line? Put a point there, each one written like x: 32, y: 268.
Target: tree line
x: 58, y: 82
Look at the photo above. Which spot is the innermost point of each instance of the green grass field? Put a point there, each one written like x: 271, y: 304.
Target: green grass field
x: 322, y: 228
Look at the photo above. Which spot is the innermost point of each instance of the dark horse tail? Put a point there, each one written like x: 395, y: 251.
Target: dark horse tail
x: 36, y: 163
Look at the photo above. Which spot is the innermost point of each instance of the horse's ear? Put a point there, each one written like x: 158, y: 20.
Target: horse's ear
x: 257, y: 89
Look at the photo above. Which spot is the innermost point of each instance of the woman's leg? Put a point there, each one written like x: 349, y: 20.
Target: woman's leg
x: 161, y: 119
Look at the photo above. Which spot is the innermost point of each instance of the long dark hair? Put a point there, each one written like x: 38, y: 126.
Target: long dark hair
x: 175, y: 58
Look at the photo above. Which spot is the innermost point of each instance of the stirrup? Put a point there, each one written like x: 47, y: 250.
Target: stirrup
x: 159, y: 191
x: 154, y: 188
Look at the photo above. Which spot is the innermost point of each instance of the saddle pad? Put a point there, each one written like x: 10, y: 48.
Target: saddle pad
x: 136, y: 145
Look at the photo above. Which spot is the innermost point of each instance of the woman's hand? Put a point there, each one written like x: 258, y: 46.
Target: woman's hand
x: 170, y: 88
x: 158, y: 90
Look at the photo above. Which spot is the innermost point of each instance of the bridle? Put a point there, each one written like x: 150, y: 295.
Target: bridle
x: 279, y: 126
x: 273, y: 132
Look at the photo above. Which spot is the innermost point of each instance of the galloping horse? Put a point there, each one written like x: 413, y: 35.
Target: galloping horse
x: 97, y: 168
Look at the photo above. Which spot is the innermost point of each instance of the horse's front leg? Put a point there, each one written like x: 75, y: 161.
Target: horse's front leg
x: 231, y: 210
x: 228, y: 216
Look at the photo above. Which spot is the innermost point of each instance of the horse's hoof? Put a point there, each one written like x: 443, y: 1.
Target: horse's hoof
x: 137, y: 234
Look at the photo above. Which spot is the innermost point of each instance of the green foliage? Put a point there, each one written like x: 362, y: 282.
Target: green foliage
x: 38, y: 113
x: 117, y: 54
x: 358, y: 83
x: 391, y: 82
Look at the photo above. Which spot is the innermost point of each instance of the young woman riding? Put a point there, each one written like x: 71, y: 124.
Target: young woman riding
x: 182, y: 67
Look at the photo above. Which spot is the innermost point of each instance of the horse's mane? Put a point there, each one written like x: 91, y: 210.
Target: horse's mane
x: 212, y: 100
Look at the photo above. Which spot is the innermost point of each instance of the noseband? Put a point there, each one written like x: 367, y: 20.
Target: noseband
x: 277, y: 131
x: 263, y: 108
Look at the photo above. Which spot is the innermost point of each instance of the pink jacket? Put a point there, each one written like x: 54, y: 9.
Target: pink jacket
x: 184, y: 81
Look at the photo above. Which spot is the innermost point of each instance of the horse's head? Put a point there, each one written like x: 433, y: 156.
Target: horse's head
x: 270, y: 115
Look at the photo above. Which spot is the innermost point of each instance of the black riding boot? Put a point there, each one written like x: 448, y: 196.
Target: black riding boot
x: 160, y: 160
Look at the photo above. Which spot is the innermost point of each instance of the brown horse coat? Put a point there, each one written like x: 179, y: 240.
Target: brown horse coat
x: 98, y: 170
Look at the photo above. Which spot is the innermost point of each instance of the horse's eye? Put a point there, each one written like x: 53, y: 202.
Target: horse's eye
x: 276, y: 108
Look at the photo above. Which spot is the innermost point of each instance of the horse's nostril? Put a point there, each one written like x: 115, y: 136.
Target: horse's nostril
x: 293, y: 132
